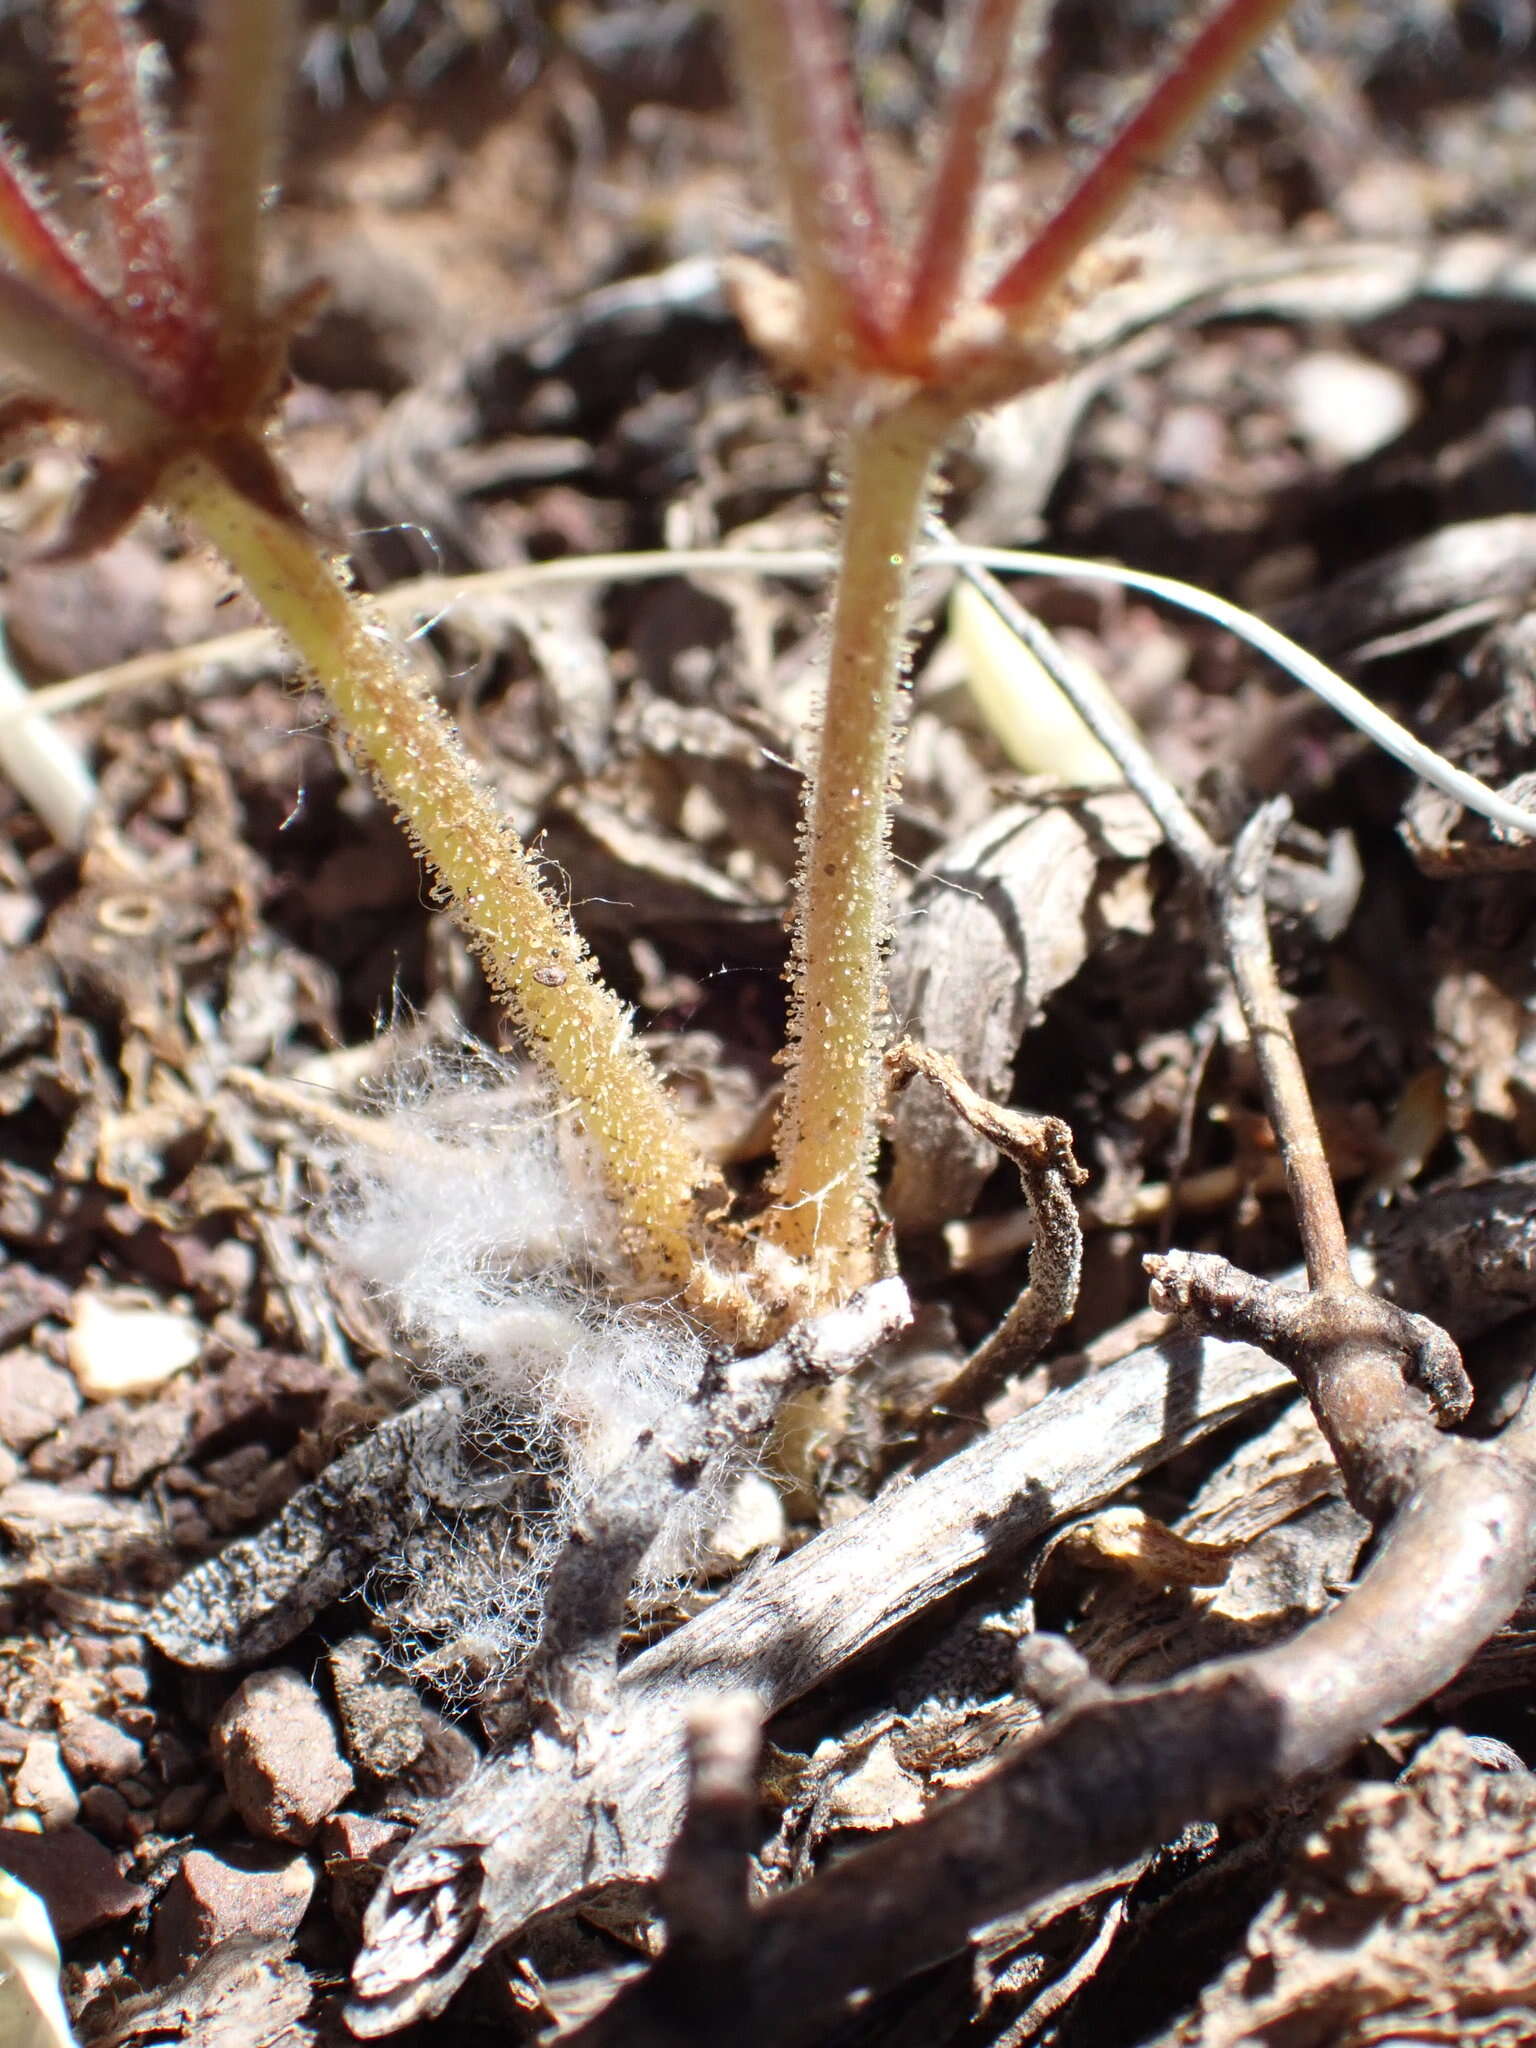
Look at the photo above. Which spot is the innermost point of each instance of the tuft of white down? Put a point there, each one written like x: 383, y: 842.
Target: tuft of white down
x: 477, y: 1220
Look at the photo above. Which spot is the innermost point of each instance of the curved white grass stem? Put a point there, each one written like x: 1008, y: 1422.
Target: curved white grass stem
x: 432, y: 598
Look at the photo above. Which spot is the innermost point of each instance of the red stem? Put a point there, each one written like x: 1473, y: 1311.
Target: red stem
x: 116, y: 135
x: 1200, y: 73
x: 945, y: 239
x: 792, y: 57
x: 39, y: 252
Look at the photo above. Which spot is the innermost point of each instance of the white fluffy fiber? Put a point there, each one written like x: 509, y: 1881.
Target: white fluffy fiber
x: 476, y: 1219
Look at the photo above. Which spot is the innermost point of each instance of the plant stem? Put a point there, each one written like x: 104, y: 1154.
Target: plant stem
x: 237, y: 118
x: 826, y: 1137
x: 942, y: 248
x: 1176, y: 102
x: 792, y: 60
x: 528, y: 947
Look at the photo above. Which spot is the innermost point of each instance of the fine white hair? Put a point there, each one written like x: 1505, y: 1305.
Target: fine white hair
x: 477, y: 1220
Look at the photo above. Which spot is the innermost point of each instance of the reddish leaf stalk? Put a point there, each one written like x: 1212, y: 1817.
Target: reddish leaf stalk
x: 1198, y: 75
x: 80, y: 366
x: 792, y: 59
x: 38, y: 250
x: 117, y: 131
x: 944, y: 242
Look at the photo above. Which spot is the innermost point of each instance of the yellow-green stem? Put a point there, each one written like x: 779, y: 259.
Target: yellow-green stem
x: 826, y: 1209
x: 528, y: 946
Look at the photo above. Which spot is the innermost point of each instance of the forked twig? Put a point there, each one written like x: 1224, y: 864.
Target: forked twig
x: 1110, y: 1778
x: 1240, y: 907
x: 1352, y: 1352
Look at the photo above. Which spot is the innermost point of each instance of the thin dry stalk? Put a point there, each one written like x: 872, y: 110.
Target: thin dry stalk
x: 1240, y: 905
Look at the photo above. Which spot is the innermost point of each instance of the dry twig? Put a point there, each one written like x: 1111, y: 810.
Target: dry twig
x: 1041, y: 1148
x: 540, y: 1826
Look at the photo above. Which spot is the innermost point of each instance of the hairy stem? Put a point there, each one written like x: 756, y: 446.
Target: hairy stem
x: 32, y: 241
x: 1188, y: 88
x: 78, y: 365
x: 942, y: 248
x: 243, y: 71
x: 528, y: 947
x: 117, y: 133
x: 792, y: 61
x: 826, y: 1138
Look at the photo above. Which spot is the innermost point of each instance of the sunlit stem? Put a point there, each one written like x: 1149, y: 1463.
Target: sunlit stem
x: 116, y: 131
x: 1198, y: 74
x: 792, y: 61
x: 32, y: 243
x: 942, y: 249
x: 826, y: 1140
x: 80, y: 367
x: 243, y: 75
x: 573, y: 1025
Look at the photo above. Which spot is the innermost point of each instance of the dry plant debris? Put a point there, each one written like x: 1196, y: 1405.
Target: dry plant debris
x: 227, y: 1508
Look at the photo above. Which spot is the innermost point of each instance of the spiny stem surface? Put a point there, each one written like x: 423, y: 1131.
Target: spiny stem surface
x: 826, y: 1142
x: 943, y: 244
x: 117, y: 132
x: 237, y: 120
x: 528, y: 946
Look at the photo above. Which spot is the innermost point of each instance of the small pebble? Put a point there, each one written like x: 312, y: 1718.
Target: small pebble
x: 380, y: 1713
x: 354, y: 1848
x: 129, y: 1682
x: 1346, y: 406
x: 105, y: 1811
x: 180, y: 1808
x: 42, y: 1786
x: 277, y: 1748
x: 447, y: 1758
x: 74, y: 1876
x: 36, y: 1398
x: 176, y: 1761
x: 97, y: 1748
x: 126, y: 1347
x: 211, y: 1899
